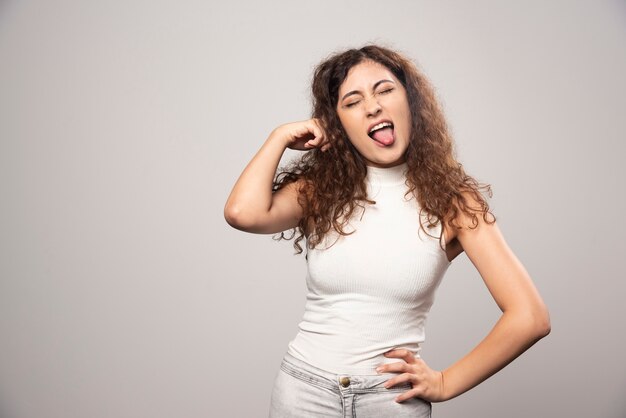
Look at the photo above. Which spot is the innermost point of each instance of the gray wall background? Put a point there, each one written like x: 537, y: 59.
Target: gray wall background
x: 124, y: 125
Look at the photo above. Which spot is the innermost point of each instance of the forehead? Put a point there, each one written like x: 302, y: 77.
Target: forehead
x: 364, y: 75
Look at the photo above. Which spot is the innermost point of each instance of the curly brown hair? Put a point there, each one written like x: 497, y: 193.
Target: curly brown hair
x: 333, y: 182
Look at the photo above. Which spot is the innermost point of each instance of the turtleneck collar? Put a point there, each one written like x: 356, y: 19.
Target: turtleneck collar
x: 387, y: 176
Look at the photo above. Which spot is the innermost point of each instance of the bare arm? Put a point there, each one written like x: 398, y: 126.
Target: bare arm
x: 252, y: 206
x: 525, y: 318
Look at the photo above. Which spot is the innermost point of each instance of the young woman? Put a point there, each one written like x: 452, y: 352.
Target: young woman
x: 379, y: 171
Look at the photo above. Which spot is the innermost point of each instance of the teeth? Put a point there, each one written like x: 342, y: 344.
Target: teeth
x: 380, y: 126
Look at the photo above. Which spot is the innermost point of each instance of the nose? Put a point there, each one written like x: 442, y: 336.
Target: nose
x: 372, y: 107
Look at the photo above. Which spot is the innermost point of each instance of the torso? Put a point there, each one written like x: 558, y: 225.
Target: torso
x: 452, y: 244
x: 372, y: 289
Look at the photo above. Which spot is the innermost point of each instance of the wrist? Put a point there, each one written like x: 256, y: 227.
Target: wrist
x: 278, y: 136
x: 444, y: 393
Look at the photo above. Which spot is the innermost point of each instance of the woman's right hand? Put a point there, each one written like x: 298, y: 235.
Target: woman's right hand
x: 303, y: 136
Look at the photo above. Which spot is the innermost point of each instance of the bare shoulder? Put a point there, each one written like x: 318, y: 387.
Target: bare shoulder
x: 479, y: 236
x: 464, y: 224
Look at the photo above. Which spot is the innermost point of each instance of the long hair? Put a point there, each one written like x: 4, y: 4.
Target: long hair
x: 333, y: 181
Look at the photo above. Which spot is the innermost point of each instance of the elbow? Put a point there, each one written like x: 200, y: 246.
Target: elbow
x: 237, y: 218
x: 540, y: 322
x: 532, y: 322
x: 233, y: 216
x: 543, y: 326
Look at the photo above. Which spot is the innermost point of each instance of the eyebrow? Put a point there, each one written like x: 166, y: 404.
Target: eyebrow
x: 376, y: 84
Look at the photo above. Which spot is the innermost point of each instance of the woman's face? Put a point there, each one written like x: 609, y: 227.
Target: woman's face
x: 374, y: 110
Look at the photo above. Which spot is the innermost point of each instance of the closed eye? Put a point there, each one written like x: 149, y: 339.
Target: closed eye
x: 387, y: 91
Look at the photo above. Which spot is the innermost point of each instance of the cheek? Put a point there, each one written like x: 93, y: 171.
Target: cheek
x: 349, y: 126
x: 406, y: 111
x: 342, y: 120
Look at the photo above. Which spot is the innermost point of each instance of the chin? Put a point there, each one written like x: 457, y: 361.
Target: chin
x: 388, y: 159
x: 385, y: 156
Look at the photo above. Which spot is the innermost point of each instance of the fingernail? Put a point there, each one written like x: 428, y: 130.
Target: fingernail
x: 379, y: 369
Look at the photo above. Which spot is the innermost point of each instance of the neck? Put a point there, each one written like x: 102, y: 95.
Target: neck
x: 387, y: 175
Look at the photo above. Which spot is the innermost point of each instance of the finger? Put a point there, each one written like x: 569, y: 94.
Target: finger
x: 312, y: 143
x: 404, y: 377
x: 392, y: 367
x: 407, y: 395
x: 403, y: 353
x: 317, y: 131
x: 302, y: 130
x: 318, y: 123
x: 322, y: 143
x: 321, y: 130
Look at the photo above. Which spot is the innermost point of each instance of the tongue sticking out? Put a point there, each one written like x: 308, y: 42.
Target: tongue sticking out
x: 384, y: 136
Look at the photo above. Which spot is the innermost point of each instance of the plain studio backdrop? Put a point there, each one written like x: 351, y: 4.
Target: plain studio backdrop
x: 125, y: 124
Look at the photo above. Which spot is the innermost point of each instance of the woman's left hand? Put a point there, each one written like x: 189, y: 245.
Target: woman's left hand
x: 427, y: 383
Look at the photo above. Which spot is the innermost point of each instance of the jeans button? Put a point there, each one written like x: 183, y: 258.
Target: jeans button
x: 345, y: 381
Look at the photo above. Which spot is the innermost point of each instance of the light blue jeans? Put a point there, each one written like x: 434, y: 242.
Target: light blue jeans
x: 302, y: 391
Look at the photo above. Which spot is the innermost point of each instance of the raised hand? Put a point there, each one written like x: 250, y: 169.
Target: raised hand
x: 303, y: 136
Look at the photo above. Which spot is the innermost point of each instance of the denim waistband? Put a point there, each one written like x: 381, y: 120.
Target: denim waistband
x: 339, y: 383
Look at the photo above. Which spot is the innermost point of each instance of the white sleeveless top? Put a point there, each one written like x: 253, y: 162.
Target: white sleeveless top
x: 371, y: 291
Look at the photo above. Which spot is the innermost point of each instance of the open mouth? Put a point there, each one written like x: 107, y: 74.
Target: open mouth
x: 383, y: 133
